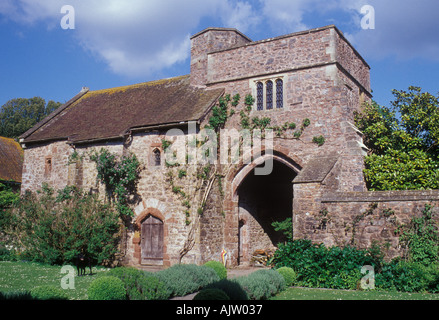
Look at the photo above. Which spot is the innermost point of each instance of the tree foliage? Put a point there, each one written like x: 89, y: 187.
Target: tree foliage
x: 403, y: 142
x: 19, y: 115
x: 54, y: 228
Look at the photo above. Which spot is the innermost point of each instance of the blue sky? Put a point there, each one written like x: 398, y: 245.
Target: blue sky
x: 121, y: 42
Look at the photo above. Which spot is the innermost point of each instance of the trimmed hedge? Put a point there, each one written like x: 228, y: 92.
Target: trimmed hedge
x: 48, y: 292
x: 219, y: 268
x: 183, y: 279
x: 289, y: 275
x: 262, y: 284
x: 107, y: 288
x: 140, y: 285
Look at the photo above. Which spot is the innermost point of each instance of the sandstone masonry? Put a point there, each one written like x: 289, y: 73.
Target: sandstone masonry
x: 315, y: 75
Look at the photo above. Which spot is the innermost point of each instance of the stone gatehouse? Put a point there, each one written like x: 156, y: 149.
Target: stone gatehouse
x: 308, y: 84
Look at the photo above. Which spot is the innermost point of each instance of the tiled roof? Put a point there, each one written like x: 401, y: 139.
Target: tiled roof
x: 11, y: 160
x: 109, y: 113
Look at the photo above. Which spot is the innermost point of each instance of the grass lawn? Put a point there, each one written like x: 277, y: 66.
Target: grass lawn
x: 21, y: 276
x: 330, y: 294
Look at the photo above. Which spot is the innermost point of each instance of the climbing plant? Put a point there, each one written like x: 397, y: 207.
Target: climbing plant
x: 120, y: 175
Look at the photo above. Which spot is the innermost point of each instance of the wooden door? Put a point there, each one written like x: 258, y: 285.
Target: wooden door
x: 152, y: 240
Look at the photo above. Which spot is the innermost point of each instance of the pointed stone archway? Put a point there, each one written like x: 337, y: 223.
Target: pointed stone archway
x: 150, y: 247
x: 259, y: 200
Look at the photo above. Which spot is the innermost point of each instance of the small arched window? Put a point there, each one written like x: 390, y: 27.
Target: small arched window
x: 260, y: 95
x: 269, y: 94
x: 279, y: 94
x: 157, y: 157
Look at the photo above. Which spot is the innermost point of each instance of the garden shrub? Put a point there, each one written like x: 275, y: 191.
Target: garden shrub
x: 408, y: 277
x: 289, y: 275
x: 231, y: 288
x: 219, y: 268
x: 53, y: 228
x: 140, y: 285
x: 321, y: 267
x: 48, y: 292
x: 183, y: 279
x: 211, y: 294
x: 106, y: 288
x: 262, y: 284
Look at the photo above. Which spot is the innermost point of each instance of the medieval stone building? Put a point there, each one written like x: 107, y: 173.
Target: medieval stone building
x: 307, y: 84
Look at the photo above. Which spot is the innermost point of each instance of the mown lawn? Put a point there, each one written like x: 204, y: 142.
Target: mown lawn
x: 21, y: 276
x: 329, y: 294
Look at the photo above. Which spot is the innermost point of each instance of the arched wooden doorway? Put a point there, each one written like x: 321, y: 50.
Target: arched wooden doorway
x: 151, y: 241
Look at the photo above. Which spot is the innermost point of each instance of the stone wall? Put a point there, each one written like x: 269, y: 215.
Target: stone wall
x: 48, y: 162
x: 358, y: 218
x: 210, y: 40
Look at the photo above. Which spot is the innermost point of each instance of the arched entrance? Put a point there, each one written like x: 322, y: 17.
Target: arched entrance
x: 151, y: 241
x: 262, y: 200
x: 150, y: 238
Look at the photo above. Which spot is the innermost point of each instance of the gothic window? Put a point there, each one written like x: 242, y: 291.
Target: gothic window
x: 269, y: 95
x: 157, y: 157
x: 279, y: 94
x: 260, y: 95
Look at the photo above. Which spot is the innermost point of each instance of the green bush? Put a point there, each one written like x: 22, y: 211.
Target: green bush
x: 211, y: 294
x: 219, y: 268
x: 48, y: 292
x: 140, y: 285
x: 320, y: 267
x: 106, y: 288
x: 231, y: 288
x: 288, y: 274
x: 262, y: 284
x: 53, y: 228
x: 408, y: 277
x: 183, y: 279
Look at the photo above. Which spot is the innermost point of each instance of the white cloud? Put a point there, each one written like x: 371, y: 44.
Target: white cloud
x: 134, y: 38
x: 286, y: 16
x: 240, y: 15
x: 139, y: 37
